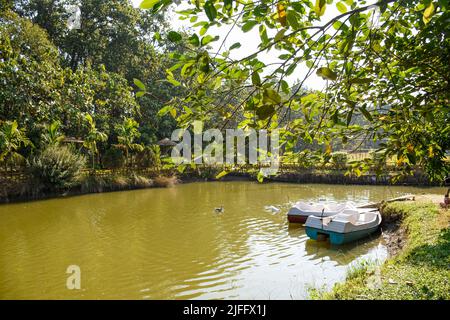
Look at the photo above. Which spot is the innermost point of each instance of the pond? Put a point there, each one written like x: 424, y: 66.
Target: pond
x: 171, y: 244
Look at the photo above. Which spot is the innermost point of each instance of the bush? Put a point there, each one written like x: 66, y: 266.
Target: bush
x: 149, y: 157
x: 165, y: 182
x: 339, y: 160
x: 306, y: 159
x: 113, y: 159
x: 140, y: 181
x: 378, y: 159
x: 56, y: 168
x: 93, y: 184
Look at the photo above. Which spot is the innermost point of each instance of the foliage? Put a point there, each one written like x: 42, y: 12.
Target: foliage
x: 339, y: 160
x: 307, y: 159
x: 53, y: 136
x: 51, y: 101
x: 12, y: 138
x: 56, y: 168
x: 150, y: 156
x: 385, y: 66
x: 127, y: 133
x: 38, y: 91
x: 93, y: 136
x: 114, y: 45
x: 113, y: 158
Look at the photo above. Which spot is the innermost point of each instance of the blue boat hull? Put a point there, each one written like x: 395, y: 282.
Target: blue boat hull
x: 339, y: 238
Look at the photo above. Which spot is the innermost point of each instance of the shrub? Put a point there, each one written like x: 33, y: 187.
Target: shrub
x: 339, y: 160
x: 113, y: 158
x: 56, y: 168
x: 378, y: 159
x: 306, y: 159
x: 150, y: 156
x: 165, y: 182
x: 140, y: 181
x: 93, y: 184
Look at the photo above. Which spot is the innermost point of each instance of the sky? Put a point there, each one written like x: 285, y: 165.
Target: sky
x: 250, y: 42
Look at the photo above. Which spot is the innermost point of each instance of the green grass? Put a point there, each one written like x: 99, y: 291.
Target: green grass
x: 420, y: 271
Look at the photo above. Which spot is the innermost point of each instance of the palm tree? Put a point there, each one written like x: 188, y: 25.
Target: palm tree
x: 93, y: 136
x: 11, y: 140
x: 127, y: 132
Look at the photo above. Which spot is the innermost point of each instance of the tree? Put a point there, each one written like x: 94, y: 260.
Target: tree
x: 37, y: 90
x: 93, y: 136
x: 12, y: 138
x: 128, y: 42
x: 385, y: 62
x: 127, y: 133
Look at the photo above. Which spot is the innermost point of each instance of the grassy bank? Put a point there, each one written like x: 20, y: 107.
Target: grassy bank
x: 421, y: 270
x: 29, y: 189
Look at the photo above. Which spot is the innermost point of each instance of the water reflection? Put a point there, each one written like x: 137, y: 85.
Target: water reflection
x: 170, y: 244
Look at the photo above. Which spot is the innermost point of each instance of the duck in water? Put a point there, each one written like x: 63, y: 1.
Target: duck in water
x: 219, y: 210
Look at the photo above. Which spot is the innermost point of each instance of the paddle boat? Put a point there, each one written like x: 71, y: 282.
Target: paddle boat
x: 344, y: 227
x: 300, y: 212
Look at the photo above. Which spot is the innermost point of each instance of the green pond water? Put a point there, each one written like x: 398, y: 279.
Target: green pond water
x: 170, y: 243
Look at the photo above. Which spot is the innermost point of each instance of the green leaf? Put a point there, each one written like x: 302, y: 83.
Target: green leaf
x: 341, y: 7
x: 163, y: 111
x: 139, y: 84
x: 228, y: 4
x: 285, y: 86
x: 360, y: 80
x: 320, y: 6
x: 210, y: 10
x: 337, y: 25
x: 349, y: 117
x: 249, y: 25
x: 265, y: 111
x: 174, y: 36
x: 291, y: 69
x: 194, y: 40
x: 292, y: 19
x: 148, y: 4
x: 140, y: 94
x: 271, y: 96
x: 173, y: 81
x: 428, y: 13
x: 279, y: 35
x: 256, y: 80
x: 235, y: 46
x: 260, y: 177
x: 326, y: 73
x: 207, y: 39
x: 222, y: 174
x: 366, y: 113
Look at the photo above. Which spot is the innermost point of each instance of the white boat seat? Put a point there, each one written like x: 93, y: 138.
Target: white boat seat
x: 366, y: 217
x: 351, y: 216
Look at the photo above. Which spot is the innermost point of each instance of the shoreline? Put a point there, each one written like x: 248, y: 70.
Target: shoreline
x: 19, y: 196
x: 417, y: 235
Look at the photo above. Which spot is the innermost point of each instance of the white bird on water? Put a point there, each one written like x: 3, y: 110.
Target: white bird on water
x: 272, y: 209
